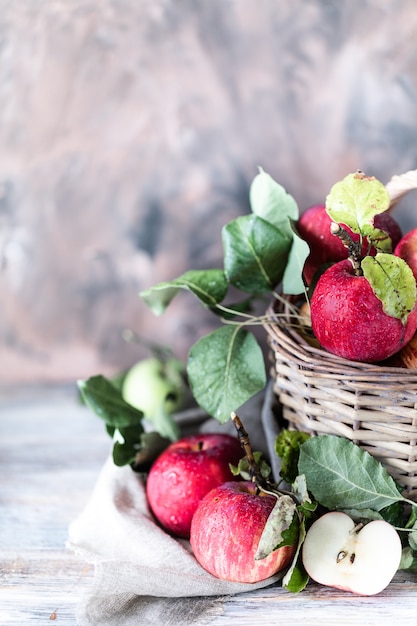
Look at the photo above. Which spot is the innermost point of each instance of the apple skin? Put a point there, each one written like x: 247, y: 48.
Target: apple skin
x: 362, y: 562
x: 406, y: 249
x: 314, y: 227
x: 406, y: 357
x: 185, y: 472
x: 158, y: 388
x: 226, y: 530
x: 151, y: 384
x: 348, y: 319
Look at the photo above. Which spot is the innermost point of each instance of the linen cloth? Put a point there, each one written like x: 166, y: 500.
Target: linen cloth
x: 142, y: 574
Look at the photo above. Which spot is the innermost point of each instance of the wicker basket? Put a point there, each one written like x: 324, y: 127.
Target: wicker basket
x: 372, y: 405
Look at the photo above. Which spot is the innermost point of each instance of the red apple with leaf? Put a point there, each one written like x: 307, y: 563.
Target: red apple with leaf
x: 363, y: 308
x: 245, y: 531
x: 185, y: 472
x: 227, y: 528
x: 314, y: 226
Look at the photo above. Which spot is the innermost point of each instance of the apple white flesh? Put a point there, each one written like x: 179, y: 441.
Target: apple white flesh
x: 337, y: 554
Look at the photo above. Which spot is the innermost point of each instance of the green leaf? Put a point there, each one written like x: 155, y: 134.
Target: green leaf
x: 292, y: 281
x: 269, y: 200
x: 126, y: 444
x: 255, y: 253
x: 362, y: 515
x: 377, y: 238
x: 412, y: 537
x: 408, y: 560
x: 290, y: 535
x: 280, y: 519
x: 341, y: 475
x: 412, y: 521
x: 243, y: 468
x: 235, y: 309
x: 287, y: 447
x: 151, y: 446
x: 356, y: 200
x: 299, y: 489
x: 392, y: 514
x: 225, y: 369
x: 122, y: 454
x: 296, y: 578
x: 164, y: 424
x: 210, y: 287
x: 136, y: 448
x: 106, y: 401
x: 393, y: 282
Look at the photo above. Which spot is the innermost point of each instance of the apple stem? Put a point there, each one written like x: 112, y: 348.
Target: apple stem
x: 244, y: 440
x: 357, y: 528
x: 262, y: 483
x: 354, y: 247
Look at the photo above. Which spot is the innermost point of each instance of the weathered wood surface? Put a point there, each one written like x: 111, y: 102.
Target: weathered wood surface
x: 51, y: 450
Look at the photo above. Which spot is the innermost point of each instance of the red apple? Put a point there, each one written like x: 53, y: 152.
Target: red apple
x: 360, y: 559
x: 406, y: 357
x: 314, y: 227
x: 406, y: 249
x: 185, y: 472
x: 348, y: 319
x: 226, y: 530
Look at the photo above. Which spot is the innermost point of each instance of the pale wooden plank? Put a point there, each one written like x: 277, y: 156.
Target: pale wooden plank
x: 38, y: 587
x: 51, y: 450
x: 323, y: 606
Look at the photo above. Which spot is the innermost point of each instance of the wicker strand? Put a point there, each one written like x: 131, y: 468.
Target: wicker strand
x: 373, y: 405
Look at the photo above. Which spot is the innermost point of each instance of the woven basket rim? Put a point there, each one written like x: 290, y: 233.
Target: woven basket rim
x: 281, y: 328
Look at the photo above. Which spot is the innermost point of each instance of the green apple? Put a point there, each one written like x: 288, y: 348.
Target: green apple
x: 157, y: 388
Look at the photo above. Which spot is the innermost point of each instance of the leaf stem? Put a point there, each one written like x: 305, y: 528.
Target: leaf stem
x: 354, y: 247
x: 262, y: 483
x: 226, y: 309
x: 411, y: 502
x: 246, y: 445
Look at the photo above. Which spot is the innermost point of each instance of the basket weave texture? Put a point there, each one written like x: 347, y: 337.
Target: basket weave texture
x: 375, y: 406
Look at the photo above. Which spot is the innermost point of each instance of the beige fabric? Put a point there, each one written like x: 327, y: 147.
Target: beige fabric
x: 142, y: 575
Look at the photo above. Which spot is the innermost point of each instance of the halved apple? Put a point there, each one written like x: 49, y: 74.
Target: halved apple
x: 361, y: 559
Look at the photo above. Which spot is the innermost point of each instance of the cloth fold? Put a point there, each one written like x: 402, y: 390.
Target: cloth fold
x: 142, y: 574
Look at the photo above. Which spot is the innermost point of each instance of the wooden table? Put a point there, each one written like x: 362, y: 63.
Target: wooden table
x: 51, y: 450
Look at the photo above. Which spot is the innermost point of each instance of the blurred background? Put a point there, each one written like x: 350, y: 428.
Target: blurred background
x: 130, y: 132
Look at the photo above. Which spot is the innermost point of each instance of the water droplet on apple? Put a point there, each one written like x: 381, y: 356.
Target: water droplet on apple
x: 173, y: 478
